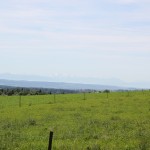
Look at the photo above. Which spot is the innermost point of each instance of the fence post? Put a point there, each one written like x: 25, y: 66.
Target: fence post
x: 20, y: 101
x: 54, y: 98
x: 84, y: 98
x: 50, y: 140
x: 143, y: 91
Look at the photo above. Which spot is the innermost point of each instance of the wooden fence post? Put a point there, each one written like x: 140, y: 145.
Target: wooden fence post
x: 50, y: 141
x: 107, y: 94
x: 84, y: 96
x: 20, y: 101
x: 54, y: 98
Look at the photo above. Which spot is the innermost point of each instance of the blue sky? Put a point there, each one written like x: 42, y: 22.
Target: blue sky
x: 76, y: 38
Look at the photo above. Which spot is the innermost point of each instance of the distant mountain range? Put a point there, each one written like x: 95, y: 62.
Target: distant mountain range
x: 58, y: 85
x: 70, y: 79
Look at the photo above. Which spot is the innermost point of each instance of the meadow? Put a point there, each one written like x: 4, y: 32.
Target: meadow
x: 120, y: 121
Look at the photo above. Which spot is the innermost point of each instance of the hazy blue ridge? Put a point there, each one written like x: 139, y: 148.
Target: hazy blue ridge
x: 58, y: 85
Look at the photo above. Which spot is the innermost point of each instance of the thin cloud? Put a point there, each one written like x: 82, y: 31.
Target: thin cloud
x: 129, y: 1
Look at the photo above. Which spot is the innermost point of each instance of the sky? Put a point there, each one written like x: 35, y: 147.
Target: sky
x: 76, y: 38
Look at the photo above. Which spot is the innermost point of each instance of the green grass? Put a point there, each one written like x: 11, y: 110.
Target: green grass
x: 119, y: 122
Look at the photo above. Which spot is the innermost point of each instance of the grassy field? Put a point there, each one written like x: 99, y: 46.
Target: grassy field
x: 119, y: 122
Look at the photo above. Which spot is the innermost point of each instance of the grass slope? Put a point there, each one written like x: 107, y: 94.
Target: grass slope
x: 119, y: 122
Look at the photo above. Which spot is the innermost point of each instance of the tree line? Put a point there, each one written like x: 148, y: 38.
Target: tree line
x: 33, y: 91
x: 9, y: 91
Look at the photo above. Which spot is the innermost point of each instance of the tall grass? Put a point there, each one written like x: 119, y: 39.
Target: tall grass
x: 119, y: 122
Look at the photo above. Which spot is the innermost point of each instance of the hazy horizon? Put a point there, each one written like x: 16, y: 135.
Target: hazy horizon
x: 75, y: 79
x: 99, y: 39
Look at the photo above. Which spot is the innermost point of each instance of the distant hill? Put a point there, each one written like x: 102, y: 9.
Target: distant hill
x: 58, y: 85
x: 68, y: 79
